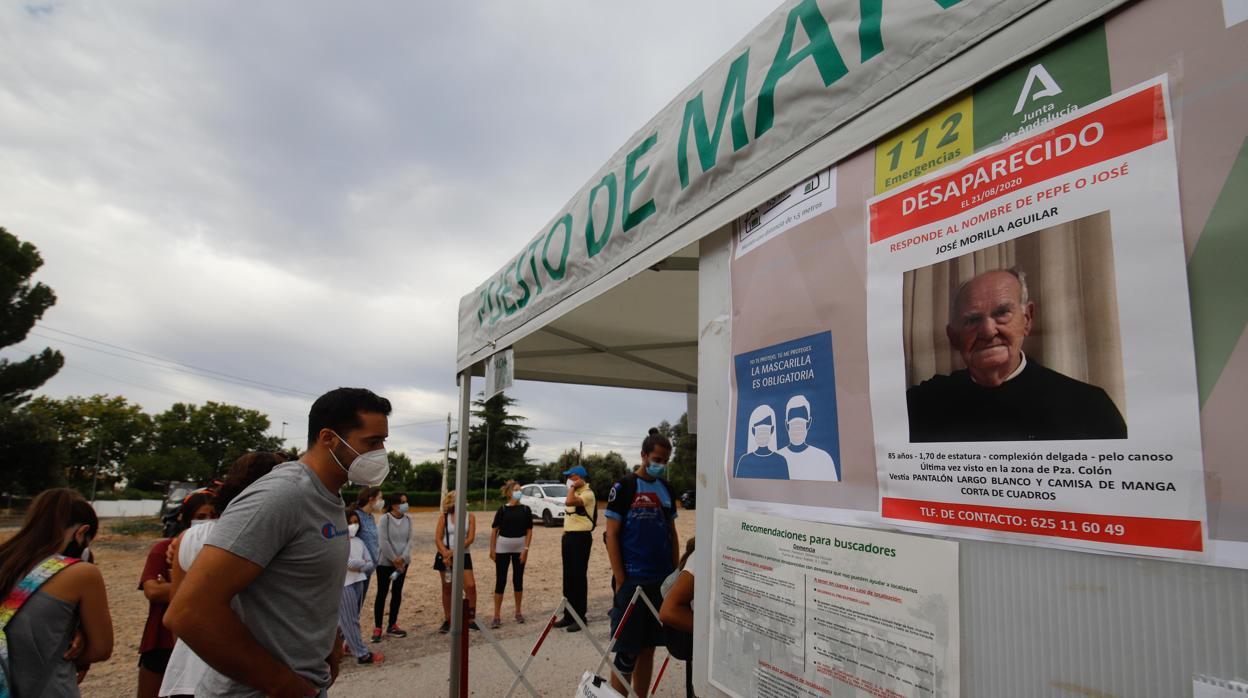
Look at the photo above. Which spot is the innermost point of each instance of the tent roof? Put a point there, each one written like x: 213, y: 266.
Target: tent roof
x: 642, y: 333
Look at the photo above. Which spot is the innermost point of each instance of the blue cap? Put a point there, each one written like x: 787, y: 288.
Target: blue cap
x: 578, y: 470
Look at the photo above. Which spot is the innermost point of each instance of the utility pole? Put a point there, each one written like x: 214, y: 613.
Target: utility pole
x: 95, y: 479
x: 580, y: 452
x: 284, y: 434
x: 485, y: 487
x: 446, y: 457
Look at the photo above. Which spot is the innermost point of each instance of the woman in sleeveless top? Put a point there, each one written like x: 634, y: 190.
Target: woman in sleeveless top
x: 47, y: 593
x: 444, y: 538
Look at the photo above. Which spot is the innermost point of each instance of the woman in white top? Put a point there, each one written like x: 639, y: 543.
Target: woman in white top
x: 185, y: 669
x: 444, y: 538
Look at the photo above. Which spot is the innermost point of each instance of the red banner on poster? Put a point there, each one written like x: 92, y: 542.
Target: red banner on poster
x: 1121, y: 127
x: 1172, y: 534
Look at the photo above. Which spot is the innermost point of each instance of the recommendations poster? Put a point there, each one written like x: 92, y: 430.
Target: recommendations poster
x: 807, y: 609
x: 1030, y: 339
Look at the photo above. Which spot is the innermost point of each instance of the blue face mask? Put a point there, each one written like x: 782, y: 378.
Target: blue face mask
x: 656, y: 469
x: 403, y: 508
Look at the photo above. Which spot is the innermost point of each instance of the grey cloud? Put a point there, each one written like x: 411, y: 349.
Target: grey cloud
x: 300, y: 192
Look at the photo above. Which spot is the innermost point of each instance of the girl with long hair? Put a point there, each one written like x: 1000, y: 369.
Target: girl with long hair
x: 47, y: 594
x: 369, y: 502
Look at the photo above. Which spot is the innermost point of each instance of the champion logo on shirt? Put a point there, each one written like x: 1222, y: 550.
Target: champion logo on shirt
x: 330, y: 531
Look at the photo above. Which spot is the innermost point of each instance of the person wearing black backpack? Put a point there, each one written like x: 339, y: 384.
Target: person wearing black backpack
x: 578, y: 525
x: 644, y: 549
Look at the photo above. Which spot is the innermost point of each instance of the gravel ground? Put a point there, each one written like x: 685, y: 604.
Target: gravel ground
x: 417, y: 660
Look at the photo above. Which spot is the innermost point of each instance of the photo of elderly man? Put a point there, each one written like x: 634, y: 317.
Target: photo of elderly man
x: 1002, y: 394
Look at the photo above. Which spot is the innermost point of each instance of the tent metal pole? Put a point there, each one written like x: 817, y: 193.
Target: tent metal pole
x: 461, y: 530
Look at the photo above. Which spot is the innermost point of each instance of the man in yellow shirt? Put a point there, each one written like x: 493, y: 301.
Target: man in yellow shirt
x: 578, y: 526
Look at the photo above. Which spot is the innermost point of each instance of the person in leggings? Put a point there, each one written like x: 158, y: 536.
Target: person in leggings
x: 509, y: 545
x: 394, y: 537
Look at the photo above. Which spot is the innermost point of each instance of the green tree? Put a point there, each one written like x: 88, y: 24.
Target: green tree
x: 683, y: 470
x: 95, y: 435
x: 603, y: 471
x: 147, y: 471
x: 218, y: 432
x: 427, y: 478
x: 555, y: 470
x: 508, y: 443
x: 21, y: 306
x: 402, y: 470
x: 30, y: 455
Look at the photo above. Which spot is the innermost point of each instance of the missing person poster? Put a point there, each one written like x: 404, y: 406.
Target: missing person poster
x: 806, y: 609
x: 1030, y: 338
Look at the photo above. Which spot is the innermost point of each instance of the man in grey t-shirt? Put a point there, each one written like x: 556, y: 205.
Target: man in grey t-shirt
x: 260, y: 604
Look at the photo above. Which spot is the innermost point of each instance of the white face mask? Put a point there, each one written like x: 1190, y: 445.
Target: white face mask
x: 762, y: 436
x: 369, y: 469
x: 198, y: 522
x: 379, y: 506
x: 353, y: 529
x: 797, y: 430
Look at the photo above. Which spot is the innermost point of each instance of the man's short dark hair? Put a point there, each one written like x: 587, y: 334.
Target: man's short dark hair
x: 339, y: 410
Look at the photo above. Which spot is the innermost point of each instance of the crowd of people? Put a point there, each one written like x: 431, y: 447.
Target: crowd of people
x: 260, y: 590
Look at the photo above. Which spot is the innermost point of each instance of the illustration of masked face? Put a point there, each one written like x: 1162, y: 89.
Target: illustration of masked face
x: 762, y: 436
x: 798, y: 428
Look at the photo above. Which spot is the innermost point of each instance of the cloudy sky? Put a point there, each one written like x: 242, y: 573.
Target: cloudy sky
x: 255, y: 202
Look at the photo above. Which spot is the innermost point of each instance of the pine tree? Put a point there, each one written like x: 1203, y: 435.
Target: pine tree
x: 23, y: 304
x: 508, y: 443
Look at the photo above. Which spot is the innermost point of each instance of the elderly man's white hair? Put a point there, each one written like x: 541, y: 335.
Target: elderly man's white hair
x: 1024, y: 294
x: 795, y: 402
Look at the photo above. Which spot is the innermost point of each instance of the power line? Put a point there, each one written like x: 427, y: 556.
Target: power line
x: 431, y: 422
x: 182, y: 368
x: 179, y: 395
x: 199, y: 372
x: 179, y: 366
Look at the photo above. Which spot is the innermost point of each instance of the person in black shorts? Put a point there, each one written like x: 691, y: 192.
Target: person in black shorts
x: 644, y: 549
x: 444, y: 538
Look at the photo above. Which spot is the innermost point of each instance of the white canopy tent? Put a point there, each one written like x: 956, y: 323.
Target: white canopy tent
x: 653, y: 312
x: 642, y: 334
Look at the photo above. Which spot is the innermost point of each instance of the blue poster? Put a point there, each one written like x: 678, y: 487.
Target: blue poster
x: 786, y: 412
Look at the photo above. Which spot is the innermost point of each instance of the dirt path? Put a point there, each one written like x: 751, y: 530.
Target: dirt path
x: 121, y: 559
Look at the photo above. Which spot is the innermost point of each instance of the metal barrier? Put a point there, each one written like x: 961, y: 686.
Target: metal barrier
x: 604, y: 654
